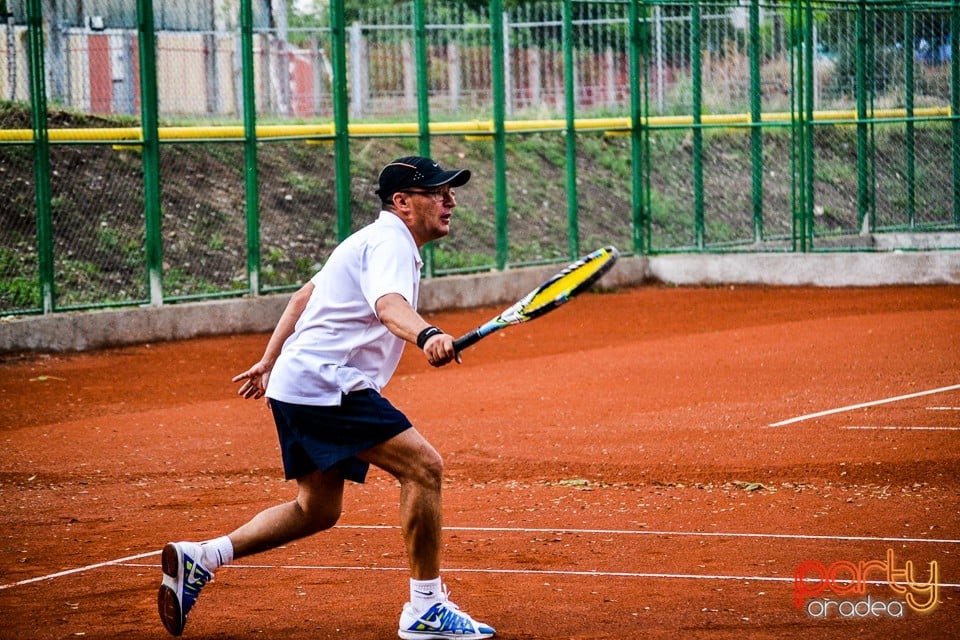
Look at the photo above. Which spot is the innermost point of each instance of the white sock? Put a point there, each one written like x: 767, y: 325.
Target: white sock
x: 217, y: 553
x: 424, y: 593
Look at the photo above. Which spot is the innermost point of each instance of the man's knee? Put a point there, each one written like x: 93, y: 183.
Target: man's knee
x: 319, y: 516
x: 320, y: 499
x: 325, y: 519
x: 430, y: 471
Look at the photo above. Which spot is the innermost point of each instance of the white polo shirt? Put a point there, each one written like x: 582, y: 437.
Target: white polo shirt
x: 339, y: 344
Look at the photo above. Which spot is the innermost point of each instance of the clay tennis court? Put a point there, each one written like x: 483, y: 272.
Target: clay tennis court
x: 612, y: 472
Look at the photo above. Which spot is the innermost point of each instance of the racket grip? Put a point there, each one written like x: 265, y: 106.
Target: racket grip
x: 466, y: 340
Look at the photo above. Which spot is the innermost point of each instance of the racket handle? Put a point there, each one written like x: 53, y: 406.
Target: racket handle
x: 466, y: 340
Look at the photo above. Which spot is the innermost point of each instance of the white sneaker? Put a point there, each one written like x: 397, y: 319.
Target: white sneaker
x: 443, y: 620
x: 183, y: 577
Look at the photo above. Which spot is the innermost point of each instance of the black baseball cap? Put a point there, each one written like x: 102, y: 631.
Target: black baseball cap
x: 417, y: 171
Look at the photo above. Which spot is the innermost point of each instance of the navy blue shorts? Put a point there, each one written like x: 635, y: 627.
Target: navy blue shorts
x: 327, y: 438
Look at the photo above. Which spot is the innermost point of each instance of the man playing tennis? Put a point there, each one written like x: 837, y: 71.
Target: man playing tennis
x: 335, y: 346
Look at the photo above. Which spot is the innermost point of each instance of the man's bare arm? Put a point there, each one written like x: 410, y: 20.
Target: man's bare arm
x: 255, y: 378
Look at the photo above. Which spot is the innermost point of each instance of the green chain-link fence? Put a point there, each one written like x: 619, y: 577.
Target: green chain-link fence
x: 160, y: 151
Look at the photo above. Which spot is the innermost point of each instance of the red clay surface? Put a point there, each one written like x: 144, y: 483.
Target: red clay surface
x: 611, y: 473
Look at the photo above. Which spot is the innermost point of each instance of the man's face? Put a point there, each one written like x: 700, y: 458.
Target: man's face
x: 426, y: 211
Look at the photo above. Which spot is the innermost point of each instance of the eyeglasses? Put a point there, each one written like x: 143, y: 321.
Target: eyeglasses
x: 435, y: 194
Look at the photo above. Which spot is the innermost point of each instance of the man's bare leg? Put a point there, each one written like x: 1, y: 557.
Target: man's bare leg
x: 317, y: 507
x: 416, y: 464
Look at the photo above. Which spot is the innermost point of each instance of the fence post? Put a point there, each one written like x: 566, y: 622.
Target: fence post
x: 11, y: 44
x: 317, y: 69
x: 756, y: 126
x: 211, y: 68
x: 341, y: 139
x: 508, y: 81
x: 803, y: 122
x: 640, y: 218
x: 423, y: 102
x: 454, y: 74
x: 863, y: 87
x: 251, y: 176
x: 955, y: 103
x: 533, y: 58
x: 569, y: 91
x: 41, y: 154
x: 696, y: 70
x: 909, y: 133
x: 658, y: 36
x: 151, y: 149
x: 281, y: 60
x: 358, y: 71
x: 806, y: 80
x: 409, y: 74
x: 497, y: 20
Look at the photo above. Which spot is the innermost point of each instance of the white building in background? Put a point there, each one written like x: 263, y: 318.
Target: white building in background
x: 92, y: 57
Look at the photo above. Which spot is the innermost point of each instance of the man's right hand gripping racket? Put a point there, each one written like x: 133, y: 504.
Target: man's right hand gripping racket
x: 574, y: 279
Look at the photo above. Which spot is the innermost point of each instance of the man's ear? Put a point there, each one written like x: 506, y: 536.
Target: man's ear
x: 399, y: 199
x: 401, y: 207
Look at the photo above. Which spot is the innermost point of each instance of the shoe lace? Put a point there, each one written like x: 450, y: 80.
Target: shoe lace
x: 445, y: 598
x: 465, y: 619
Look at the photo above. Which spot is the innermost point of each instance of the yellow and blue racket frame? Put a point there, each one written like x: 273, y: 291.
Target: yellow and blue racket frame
x: 574, y: 279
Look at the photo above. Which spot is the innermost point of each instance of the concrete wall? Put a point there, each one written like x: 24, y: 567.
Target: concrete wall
x: 80, y: 331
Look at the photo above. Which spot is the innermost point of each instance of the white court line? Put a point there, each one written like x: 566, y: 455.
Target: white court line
x: 700, y: 534
x: 862, y: 405
x: 879, y: 428
x: 546, y: 572
x: 943, y: 408
x: 89, y: 567
x: 694, y: 534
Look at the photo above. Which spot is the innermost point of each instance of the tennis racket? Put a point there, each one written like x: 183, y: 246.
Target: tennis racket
x: 574, y: 279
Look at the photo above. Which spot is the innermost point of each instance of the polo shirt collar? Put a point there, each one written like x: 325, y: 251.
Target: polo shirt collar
x: 391, y: 219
